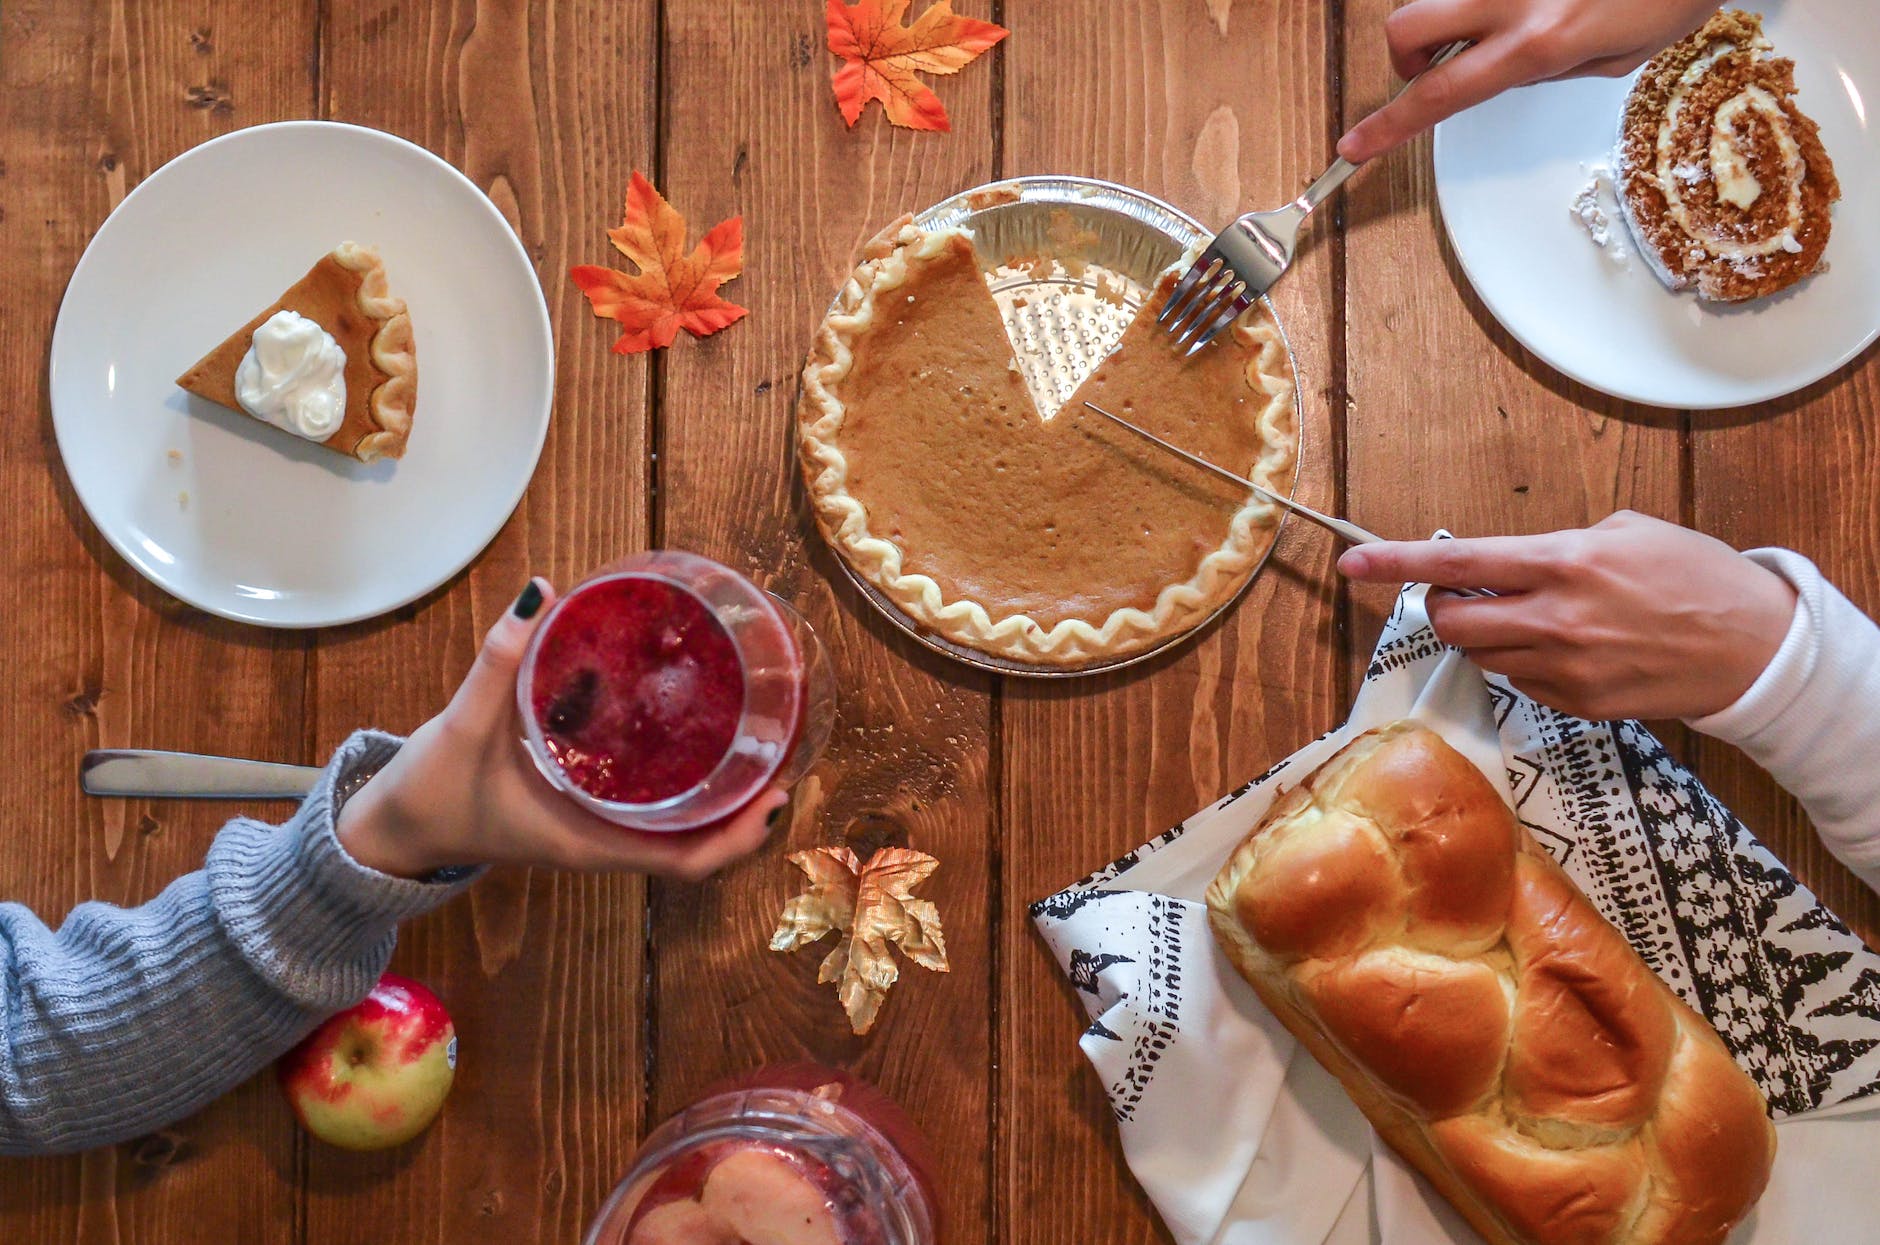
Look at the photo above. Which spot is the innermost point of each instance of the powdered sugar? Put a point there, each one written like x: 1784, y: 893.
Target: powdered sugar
x: 1595, y: 206
x: 1592, y: 216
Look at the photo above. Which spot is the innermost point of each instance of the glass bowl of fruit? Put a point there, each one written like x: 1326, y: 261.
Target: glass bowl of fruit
x: 793, y: 1156
x: 667, y: 692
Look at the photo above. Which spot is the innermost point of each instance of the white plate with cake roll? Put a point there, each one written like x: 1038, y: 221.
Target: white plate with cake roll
x: 1698, y: 235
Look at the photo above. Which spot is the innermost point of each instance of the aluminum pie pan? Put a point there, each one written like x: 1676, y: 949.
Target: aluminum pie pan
x: 1062, y: 324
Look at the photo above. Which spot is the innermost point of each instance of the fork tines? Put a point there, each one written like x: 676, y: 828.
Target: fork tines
x: 1207, y: 299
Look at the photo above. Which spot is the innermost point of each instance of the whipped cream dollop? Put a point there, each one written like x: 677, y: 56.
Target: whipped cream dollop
x: 294, y: 377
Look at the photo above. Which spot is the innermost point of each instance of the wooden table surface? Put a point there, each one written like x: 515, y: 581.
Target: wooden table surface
x: 590, y: 1008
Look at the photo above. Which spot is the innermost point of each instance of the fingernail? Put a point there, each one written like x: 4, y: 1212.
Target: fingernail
x: 1352, y: 562
x: 529, y: 602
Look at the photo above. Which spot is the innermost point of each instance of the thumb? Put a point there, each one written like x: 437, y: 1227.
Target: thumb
x: 489, y: 690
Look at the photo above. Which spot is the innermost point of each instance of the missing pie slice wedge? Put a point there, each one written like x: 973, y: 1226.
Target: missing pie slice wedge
x: 347, y: 297
x: 1062, y: 542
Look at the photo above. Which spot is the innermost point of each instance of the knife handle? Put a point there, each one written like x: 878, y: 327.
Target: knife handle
x: 190, y: 776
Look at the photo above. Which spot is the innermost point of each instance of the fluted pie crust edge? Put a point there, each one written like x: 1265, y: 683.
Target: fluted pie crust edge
x: 394, y: 352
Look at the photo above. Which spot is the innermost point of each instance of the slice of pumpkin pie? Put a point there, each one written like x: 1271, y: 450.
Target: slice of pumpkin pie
x: 1064, y: 541
x: 333, y: 361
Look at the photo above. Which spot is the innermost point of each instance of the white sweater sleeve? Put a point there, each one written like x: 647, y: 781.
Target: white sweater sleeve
x: 1812, y: 719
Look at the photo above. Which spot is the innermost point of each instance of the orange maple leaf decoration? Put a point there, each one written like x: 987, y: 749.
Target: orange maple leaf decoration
x: 880, y: 57
x: 671, y: 290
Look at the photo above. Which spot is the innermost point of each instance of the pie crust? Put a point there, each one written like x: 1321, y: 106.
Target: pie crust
x: 1176, y: 542
x: 346, y: 294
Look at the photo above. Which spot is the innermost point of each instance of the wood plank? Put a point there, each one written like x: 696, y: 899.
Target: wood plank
x: 93, y: 98
x: 1178, y: 99
x: 1517, y: 448
x: 1797, y: 473
x: 546, y: 108
x: 752, y: 127
x: 1451, y: 422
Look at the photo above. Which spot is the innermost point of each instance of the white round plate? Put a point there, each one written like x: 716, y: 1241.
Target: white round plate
x: 239, y: 518
x: 1506, y: 175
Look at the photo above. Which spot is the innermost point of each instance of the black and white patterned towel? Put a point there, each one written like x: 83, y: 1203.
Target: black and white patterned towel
x: 1794, y: 993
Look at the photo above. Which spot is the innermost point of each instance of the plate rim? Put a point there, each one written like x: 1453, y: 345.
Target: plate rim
x: 1012, y: 667
x: 546, y: 342
x: 1770, y: 392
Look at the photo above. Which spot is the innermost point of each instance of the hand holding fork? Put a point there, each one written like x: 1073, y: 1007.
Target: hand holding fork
x: 1248, y: 256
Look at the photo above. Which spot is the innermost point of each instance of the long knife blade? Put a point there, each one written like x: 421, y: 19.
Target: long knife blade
x: 139, y: 772
x: 1340, y: 527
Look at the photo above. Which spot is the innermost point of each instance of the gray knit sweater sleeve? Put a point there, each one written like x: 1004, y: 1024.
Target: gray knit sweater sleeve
x: 127, y: 1019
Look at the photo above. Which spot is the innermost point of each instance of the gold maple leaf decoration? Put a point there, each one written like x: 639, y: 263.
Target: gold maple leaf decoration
x: 869, y: 906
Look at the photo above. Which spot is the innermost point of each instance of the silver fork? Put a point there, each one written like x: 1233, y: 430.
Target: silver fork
x: 1248, y: 256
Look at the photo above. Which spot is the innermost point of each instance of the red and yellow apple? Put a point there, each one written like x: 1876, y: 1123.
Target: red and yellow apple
x: 375, y: 1075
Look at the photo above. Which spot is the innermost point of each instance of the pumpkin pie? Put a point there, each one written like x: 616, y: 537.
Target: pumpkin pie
x: 1064, y: 541
x: 346, y: 295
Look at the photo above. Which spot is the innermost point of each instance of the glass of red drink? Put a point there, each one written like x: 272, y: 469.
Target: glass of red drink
x: 798, y: 1154
x: 667, y: 692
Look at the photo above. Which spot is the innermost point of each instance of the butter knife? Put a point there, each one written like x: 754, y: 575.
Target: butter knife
x: 190, y: 776
x: 1342, y: 528
x: 1346, y: 530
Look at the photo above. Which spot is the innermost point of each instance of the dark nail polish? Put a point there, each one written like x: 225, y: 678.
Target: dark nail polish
x: 529, y: 602
x: 776, y: 816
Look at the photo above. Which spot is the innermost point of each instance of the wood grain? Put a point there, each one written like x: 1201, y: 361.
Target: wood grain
x: 1514, y: 447
x: 93, y: 98
x: 1418, y: 409
x: 1450, y: 422
x: 1800, y: 474
x: 1164, y: 97
x: 546, y: 108
x: 908, y: 761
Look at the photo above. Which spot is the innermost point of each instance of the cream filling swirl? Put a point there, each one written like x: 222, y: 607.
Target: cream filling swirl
x: 1736, y: 181
x: 1736, y: 185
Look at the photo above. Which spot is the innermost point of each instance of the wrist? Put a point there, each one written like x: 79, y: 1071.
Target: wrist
x: 377, y: 834
x: 1769, y: 603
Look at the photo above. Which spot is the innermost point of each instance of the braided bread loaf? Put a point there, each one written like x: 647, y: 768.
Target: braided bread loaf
x: 1497, y: 1031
